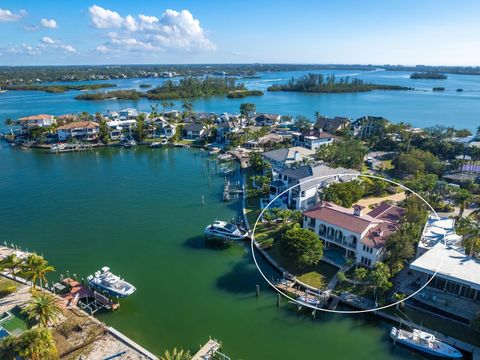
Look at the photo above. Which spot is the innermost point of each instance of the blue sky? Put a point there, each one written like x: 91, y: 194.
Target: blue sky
x: 210, y: 31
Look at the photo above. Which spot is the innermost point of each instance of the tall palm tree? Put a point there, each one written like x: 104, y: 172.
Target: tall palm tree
x: 37, y: 268
x: 11, y: 263
x: 8, y: 348
x: 470, y: 230
x: 42, y: 309
x: 37, y: 344
x: 179, y: 354
x: 187, y: 106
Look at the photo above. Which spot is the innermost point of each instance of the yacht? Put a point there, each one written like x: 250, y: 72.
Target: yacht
x: 107, y: 282
x: 226, y: 231
x: 425, y: 343
x: 309, y: 301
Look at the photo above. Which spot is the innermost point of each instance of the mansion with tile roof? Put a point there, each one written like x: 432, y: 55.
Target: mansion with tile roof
x: 361, y: 236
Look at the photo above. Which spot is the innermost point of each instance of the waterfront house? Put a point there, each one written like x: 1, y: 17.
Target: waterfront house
x: 266, y: 119
x: 332, y: 125
x: 117, y: 128
x: 367, y: 126
x: 263, y: 142
x: 283, y: 158
x: 33, y: 121
x: 455, y: 276
x: 128, y: 113
x: 79, y: 130
x: 195, y: 131
x: 169, y: 130
x: 312, y: 139
x: 226, y: 128
x: 310, y: 180
x: 353, y: 233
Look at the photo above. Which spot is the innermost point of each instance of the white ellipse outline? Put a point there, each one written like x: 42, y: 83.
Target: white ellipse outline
x: 344, y: 311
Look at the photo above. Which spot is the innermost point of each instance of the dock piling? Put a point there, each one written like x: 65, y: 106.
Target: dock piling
x: 258, y: 290
x: 279, y: 297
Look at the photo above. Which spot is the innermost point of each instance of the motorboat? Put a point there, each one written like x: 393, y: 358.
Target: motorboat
x: 225, y: 230
x: 111, y: 284
x: 425, y: 343
x: 309, y: 301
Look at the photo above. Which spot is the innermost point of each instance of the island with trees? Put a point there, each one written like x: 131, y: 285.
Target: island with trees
x: 318, y: 83
x: 187, y: 88
x: 428, y: 75
x: 240, y: 94
x: 56, y: 88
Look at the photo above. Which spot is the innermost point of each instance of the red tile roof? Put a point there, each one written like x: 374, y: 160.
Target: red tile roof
x: 79, y: 125
x: 340, y: 216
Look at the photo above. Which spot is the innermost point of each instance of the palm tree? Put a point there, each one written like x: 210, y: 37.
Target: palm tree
x: 37, y: 344
x: 462, y: 197
x: 187, y: 106
x: 42, y: 309
x: 36, y: 268
x: 166, y: 105
x: 9, y: 122
x: 8, y: 348
x: 470, y: 229
x: 11, y: 263
x: 179, y: 354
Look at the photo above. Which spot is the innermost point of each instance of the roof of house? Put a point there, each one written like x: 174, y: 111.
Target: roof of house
x: 79, y: 124
x: 229, y: 125
x: 452, y: 264
x: 381, y: 222
x: 272, y: 117
x: 439, y: 230
x: 310, y: 175
x: 331, y: 124
x: 195, y: 127
x: 35, y: 117
x: 318, y: 134
x: 287, y: 153
x: 339, y: 216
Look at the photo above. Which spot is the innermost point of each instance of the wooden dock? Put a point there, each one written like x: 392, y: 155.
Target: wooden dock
x: 78, y: 292
x: 209, y: 350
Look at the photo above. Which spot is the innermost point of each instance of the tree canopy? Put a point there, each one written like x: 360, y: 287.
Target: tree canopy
x: 302, y: 246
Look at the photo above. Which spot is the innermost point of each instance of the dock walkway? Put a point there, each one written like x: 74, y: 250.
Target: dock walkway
x: 208, y: 350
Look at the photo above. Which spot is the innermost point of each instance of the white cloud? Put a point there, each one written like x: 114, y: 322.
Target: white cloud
x: 7, y: 15
x: 49, y: 23
x: 101, y: 49
x: 104, y: 18
x: 172, y: 30
x: 67, y: 48
x: 48, y: 40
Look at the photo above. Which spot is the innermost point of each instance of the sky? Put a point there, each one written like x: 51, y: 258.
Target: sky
x: 407, y: 32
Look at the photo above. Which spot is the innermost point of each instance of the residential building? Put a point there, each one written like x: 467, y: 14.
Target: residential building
x: 332, y: 125
x: 117, y: 128
x: 266, y: 119
x: 169, y: 130
x: 195, y: 131
x: 312, y: 139
x: 224, y: 129
x: 359, y: 236
x: 129, y: 113
x: 367, y: 126
x: 441, y: 258
x: 33, y: 121
x: 283, y: 158
x: 310, y: 180
x: 80, y: 130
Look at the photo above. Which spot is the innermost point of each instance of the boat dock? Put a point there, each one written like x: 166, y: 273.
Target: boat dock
x: 62, y: 148
x: 210, y: 350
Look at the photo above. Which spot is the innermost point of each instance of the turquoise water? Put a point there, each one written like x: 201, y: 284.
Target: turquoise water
x: 140, y: 212
x: 421, y: 108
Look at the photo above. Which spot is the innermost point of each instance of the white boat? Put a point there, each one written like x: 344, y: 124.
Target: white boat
x: 215, y: 150
x: 154, y: 145
x: 425, y: 343
x: 112, y: 284
x: 308, y: 300
x: 130, y: 143
x: 224, y: 230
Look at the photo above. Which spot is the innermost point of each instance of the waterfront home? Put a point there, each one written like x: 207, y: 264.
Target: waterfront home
x: 353, y: 233
x: 311, y: 180
x: 266, y: 119
x: 266, y: 141
x: 33, y: 121
x: 195, y: 131
x: 226, y: 128
x: 367, y: 126
x: 312, y: 139
x: 283, y: 158
x: 332, y: 125
x: 128, y: 113
x: 117, y: 128
x: 456, y: 275
x: 66, y: 118
x: 79, y: 130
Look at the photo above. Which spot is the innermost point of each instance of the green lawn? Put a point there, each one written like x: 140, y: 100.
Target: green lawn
x: 7, y: 286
